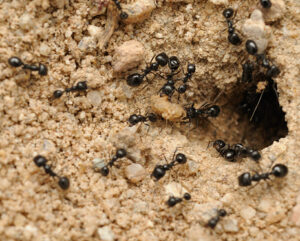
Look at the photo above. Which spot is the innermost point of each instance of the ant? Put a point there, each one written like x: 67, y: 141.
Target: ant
x: 212, y: 223
x: 123, y: 15
x: 135, y: 119
x: 172, y: 201
x: 266, y: 3
x: 279, y: 170
x: 236, y: 150
x: 17, y: 62
x: 233, y: 37
x: 80, y: 86
x: 40, y: 161
x: 120, y: 153
x: 160, y: 170
x: 205, y: 111
x: 136, y: 79
x: 191, y: 68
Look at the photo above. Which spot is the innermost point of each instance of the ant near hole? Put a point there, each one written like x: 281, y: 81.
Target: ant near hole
x: 120, y: 153
x: 160, y: 170
x: 41, y: 161
x: 278, y: 171
x: 233, y: 37
x: 135, y: 119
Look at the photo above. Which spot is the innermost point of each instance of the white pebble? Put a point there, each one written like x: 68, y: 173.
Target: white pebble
x: 247, y: 213
x: 174, y: 189
x: 230, y: 225
x: 219, y: 2
x: 106, y: 234
x: 94, y: 97
x: 135, y: 172
x: 94, y: 31
x: 255, y: 29
x: 26, y: 22
x: 98, y: 163
x: 87, y: 43
x: 44, y: 49
x: 127, y: 56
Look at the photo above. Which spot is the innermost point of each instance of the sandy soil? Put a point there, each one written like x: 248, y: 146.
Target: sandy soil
x: 77, y: 128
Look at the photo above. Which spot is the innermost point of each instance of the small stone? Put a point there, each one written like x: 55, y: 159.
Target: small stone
x: 219, y: 2
x: 135, y: 172
x: 128, y: 56
x: 26, y: 22
x: 59, y: 3
x: 275, y: 12
x: 105, y: 234
x: 247, y: 213
x: 87, y: 44
x: 174, y: 189
x: 230, y: 225
x: 44, y: 49
x: 94, y: 97
x: 94, y: 31
x: 98, y: 163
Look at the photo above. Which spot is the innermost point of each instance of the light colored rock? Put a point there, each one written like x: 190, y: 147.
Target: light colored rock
x: 98, y: 163
x: 174, y: 189
x: 230, y: 225
x: 255, y: 29
x: 59, y: 3
x: 105, y: 233
x: 219, y: 2
x: 44, y: 49
x: 276, y: 11
x: 26, y: 22
x: 247, y: 213
x: 138, y: 11
x: 127, y: 56
x: 94, y: 97
x: 94, y: 31
x: 135, y: 172
x: 87, y: 44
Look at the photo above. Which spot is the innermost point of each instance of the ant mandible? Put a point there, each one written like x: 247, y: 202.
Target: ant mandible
x: 41, y: 161
x: 233, y: 37
x: 136, y: 79
x: 160, y: 170
x: 279, y: 170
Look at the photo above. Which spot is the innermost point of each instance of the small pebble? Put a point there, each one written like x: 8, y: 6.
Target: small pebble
x: 127, y: 56
x: 98, y: 163
x: 219, y: 2
x: 106, y: 234
x: 94, y: 97
x: 135, y: 172
x: 247, y: 213
x: 230, y: 225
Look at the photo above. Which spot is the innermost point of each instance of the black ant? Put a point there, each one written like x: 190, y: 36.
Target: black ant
x: 123, y: 15
x: 41, y: 161
x: 136, y: 79
x: 237, y: 150
x: 212, y: 223
x: 247, y: 75
x: 160, y: 170
x: 191, y: 68
x: 233, y: 37
x: 120, y: 153
x: 17, y: 62
x: 204, y: 111
x: 80, y: 86
x: 279, y: 170
x: 135, y: 119
x: 172, y: 201
x: 266, y: 3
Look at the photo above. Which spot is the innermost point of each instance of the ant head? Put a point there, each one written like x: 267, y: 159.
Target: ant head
x: 158, y: 172
x: 123, y: 15
x: 121, y: 153
x: 15, y: 62
x: 229, y: 155
x: 180, y: 158
x: 214, y: 111
x: 40, y: 160
x: 245, y: 179
x: 280, y: 170
x: 134, y: 79
x: 273, y: 71
x: 222, y: 212
x: 255, y: 155
x: 173, y: 63
x: 104, y: 171
x: 213, y: 222
x: 57, y: 94
x: 187, y: 196
x: 162, y: 59
x: 43, y: 70
x: 266, y: 3
x: 219, y: 144
x: 81, y: 85
x: 168, y: 89
x: 133, y: 119
x: 154, y: 66
x: 172, y: 201
x: 251, y: 47
x: 228, y: 13
x: 152, y: 117
x: 182, y: 88
x: 234, y: 39
x: 64, y: 183
x: 191, y: 68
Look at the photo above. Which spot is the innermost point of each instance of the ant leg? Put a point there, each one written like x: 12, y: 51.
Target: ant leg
x: 261, y: 95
